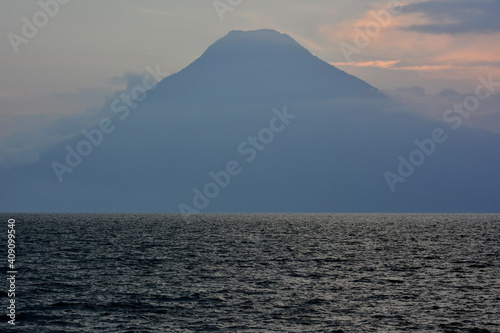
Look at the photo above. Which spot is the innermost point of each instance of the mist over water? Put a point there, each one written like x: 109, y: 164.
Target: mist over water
x: 258, y: 273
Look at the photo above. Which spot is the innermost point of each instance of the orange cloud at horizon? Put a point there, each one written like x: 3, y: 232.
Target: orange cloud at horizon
x: 375, y: 63
x: 457, y: 57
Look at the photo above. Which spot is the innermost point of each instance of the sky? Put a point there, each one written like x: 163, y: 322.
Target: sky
x: 429, y: 54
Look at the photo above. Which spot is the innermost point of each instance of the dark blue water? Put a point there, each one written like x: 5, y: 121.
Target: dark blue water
x: 257, y: 273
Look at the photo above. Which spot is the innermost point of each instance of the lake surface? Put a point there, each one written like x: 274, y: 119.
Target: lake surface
x: 256, y: 273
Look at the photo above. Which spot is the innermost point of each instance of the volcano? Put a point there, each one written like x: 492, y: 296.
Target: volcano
x: 262, y: 65
x: 259, y: 124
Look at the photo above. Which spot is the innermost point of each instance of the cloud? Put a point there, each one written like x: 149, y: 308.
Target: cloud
x: 411, y: 57
x: 415, y: 90
x: 397, y: 65
x: 375, y: 63
x: 455, y: 17
x: 417, y: 101
x: 153, y: 11
x: 36, y: 134
x: 27, y: 136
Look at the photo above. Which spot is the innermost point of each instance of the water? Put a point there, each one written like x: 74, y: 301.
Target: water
x: 257, y: 273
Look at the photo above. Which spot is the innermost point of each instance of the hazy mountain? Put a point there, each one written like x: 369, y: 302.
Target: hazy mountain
x: 263, y: 66
x: 326, y: 144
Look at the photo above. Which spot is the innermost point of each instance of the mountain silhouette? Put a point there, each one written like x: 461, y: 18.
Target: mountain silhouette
x: 262, y: 65
x: 259, y: 124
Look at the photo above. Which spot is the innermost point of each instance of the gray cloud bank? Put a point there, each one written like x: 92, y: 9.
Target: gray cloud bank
x: 35, y: 134
x: 457, y: 16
